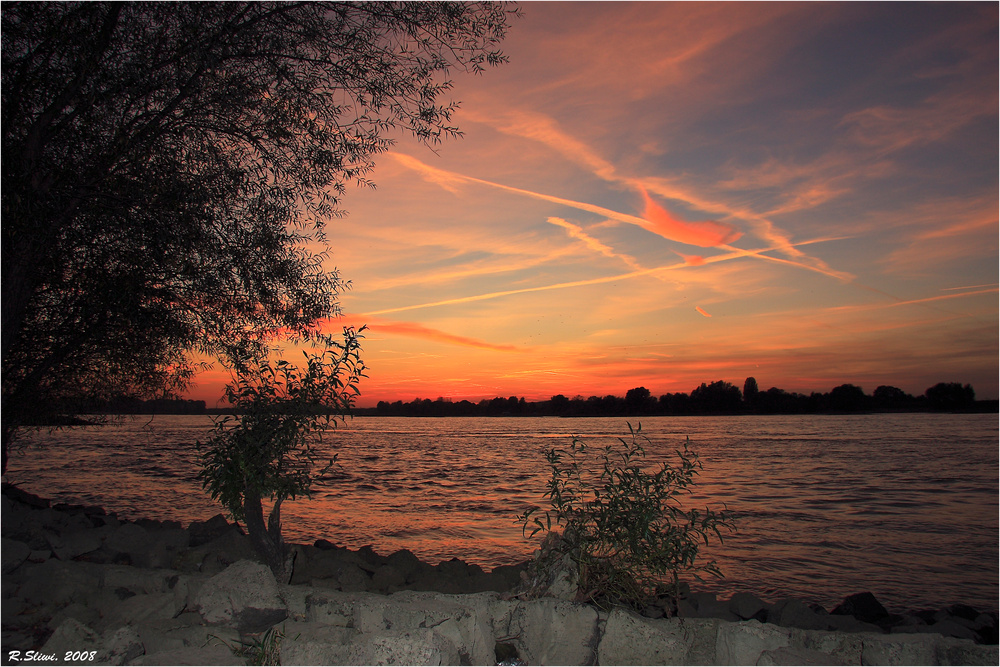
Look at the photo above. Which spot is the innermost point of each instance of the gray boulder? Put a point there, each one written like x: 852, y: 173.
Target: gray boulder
x: 746, y: 605
x: 555, y: 632
x: 203, y: 532
x: 316, y: 644
x: 244, y: 594
x: 12, y: 554
x: 630, y: 639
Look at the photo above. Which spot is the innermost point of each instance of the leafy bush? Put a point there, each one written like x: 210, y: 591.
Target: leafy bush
x: 624, y: 528
x: 270, y: 450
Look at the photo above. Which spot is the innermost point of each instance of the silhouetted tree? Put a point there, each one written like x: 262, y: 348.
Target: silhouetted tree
x: 750, y: 391
x: 891, y: 398
x: 639, y: 401
x: 847, y: 398
x: 559, y: 404
x: 168, y: 169
x: 950, y: 396
x: 716, y: 397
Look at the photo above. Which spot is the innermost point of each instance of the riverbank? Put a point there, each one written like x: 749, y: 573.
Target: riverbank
x: 153, y: 592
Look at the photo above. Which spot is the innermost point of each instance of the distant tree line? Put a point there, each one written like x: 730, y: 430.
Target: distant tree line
x: 715, y: 398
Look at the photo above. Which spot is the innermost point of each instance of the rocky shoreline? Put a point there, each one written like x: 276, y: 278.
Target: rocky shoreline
x: 80, y: 583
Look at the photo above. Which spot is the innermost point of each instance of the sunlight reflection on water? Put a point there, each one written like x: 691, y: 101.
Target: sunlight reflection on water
x: 902, y: 505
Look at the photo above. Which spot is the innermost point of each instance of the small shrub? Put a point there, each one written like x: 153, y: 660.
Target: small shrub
x: 624, y: 528
x: 269, y: 452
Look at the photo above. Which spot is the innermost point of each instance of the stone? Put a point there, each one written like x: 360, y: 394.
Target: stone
x: 555, y: 632
x: 135, y: 579
x: 841, y: 623
x: 862, y: 606
x: 844, y: 647
x: 963, y: 652
x: 230, y: 547
x: 353, y: 579
x: 207, y: 655
x: 71, y: 635
x: 746, y: 605
x: 406, y: 563
x: 412, y: 647
x: 951, y: 628
x: 85, y: 615
x: 203, y: 532
x: 464, y: 620
x: 57, y: 582
x: 388, y: 579
x: 185, y: 630
x: 141, y: 608
x: 246, y: 594
x: 899, y: 649
x: 331, y: 608
x: 129, y: 539
x: 793, y: 613
x: 121, y: 646
x: 797, y: 656
x: 629, y: 639
x: 78, y: 542
x: 743, y: 643
x: 315, y: 644
x: 13, y: 553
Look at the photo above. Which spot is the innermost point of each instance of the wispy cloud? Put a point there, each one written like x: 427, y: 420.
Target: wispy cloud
x: 378, y: 326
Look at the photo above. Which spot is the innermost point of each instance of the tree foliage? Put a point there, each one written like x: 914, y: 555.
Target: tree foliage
x: 625, y: 527
x: 269, y: 452
x: 169, y: 167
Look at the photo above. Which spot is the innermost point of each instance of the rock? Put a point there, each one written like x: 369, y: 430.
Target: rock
x: 315, y: 644
x: 413, y: 647
x: 388, y: 579
x: 797, y: 656
x: 13, y: 553
x: 185, y: 630
x: 962, y: 652
x: 231, y: 546
x: 897, y: 649
x: 326, y: 545
x: 743, y: 643
x: 70, y: 636
x: 629, y: 639
x: 406, y: 563
x: 862, y: 606
x: 129, y: 539
x: 331, y: 608
x: 848, y: 624
x: 793, y: 613
x: 952, y: 628
x: 207, y: 655
x: 746, y: 605
x: 78, y: 542
x: 60, y: 582
x: 121, y: 646
x: 245, y: 594
x: 141, y: 608
x: 353, y: 579
x: 555, y: 632
x: 85, y: 615
x: 507, y: 576
x: 203, y: 532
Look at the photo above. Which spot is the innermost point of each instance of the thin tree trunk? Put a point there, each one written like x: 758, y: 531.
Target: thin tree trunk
x: 267, y: 539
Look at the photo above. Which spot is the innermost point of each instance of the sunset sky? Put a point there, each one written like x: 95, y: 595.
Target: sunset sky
x: 660, y: 195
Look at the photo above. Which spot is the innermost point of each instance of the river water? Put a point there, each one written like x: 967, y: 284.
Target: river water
x: 904, y: 506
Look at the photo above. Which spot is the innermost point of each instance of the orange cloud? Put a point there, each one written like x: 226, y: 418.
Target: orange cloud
x: 699, y: 309
x: 415, y: 330
x: 706, y: 233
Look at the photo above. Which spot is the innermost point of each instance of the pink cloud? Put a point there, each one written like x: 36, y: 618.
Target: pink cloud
x: 706, y: 233
x: 415, y: 330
